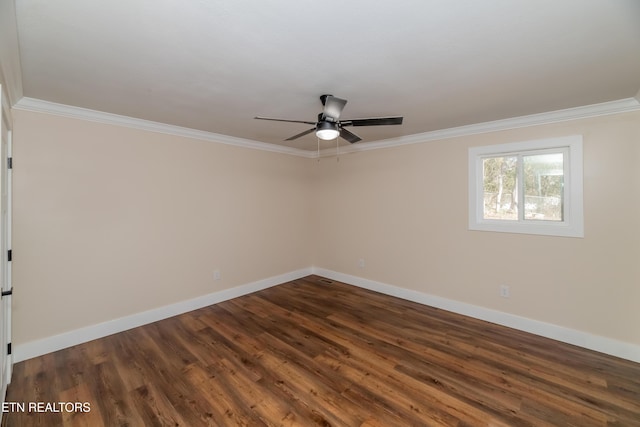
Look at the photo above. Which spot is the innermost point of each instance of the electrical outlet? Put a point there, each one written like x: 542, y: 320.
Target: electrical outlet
x: 216, y: 275
x: 361, y: 263
x: 504, y: 291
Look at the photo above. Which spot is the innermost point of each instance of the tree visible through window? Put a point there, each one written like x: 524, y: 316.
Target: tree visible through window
x: 538, y: 177
x: 500, y: 188
x: 543, y: 186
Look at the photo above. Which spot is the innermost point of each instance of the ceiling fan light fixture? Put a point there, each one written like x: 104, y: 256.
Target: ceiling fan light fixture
x: 327, y: 131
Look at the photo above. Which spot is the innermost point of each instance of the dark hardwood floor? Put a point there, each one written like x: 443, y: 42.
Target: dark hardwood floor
x: 315, y: 352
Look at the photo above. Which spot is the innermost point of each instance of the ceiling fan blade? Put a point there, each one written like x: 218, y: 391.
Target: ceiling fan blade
x: 285, y: 120
x: 349, y: 136
x: 380, y: 121
x: 332, y: 107
x: 300, y: 134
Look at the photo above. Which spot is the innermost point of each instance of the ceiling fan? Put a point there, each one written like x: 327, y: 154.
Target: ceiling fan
x: 329, y: 126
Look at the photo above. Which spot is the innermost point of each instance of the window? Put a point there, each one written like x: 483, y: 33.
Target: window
x: 532, y: 187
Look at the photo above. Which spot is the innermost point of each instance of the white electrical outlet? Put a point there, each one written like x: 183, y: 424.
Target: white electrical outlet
x: 361, y: 263
x: 504, y: 291
x: 216, y: 275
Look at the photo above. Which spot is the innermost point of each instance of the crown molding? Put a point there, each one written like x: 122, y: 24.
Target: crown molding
x: 594, y: 110
x: 40, y: 106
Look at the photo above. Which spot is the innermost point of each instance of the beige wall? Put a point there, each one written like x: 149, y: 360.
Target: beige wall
x: 404, y: 210
x: 112, y: 221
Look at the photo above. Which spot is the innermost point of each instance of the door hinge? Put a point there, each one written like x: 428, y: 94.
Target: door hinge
x: 6, y: 293
x: 9, y: 255
x: 9, y: 348
x: 9, y: 162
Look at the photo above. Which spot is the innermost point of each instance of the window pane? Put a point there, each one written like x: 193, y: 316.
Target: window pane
x: 543, y: 187
x: 500, y: 187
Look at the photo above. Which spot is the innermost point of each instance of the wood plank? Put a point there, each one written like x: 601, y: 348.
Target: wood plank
x: 319, y: 352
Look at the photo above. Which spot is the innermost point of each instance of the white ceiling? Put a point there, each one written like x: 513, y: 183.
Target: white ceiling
x: 213, y: 65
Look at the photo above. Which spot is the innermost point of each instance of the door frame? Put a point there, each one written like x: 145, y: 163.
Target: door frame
x: 6, y: 359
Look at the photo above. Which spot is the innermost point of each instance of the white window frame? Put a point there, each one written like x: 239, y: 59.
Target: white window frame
x: 572, y: 224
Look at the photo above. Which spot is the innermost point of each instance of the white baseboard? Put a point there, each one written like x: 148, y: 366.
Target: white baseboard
x: 571, y: 336
x: 78, y: 336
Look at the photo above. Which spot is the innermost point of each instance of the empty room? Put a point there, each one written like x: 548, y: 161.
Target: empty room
x: 294, y: 213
